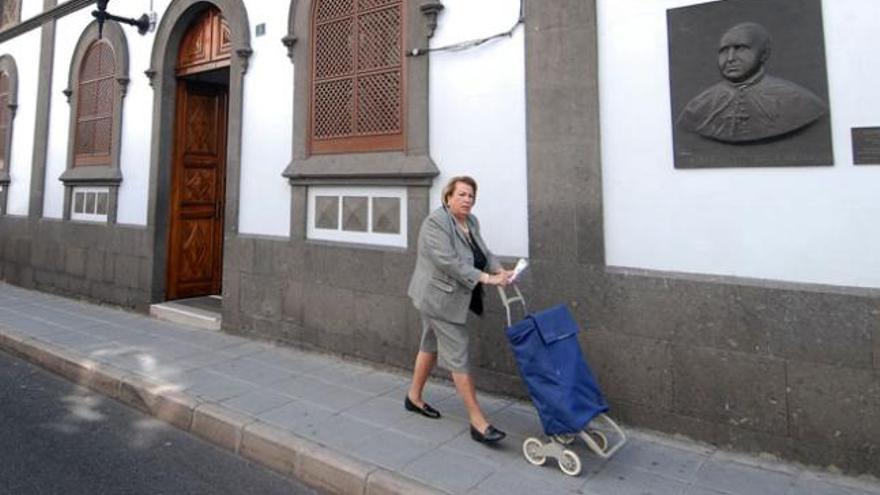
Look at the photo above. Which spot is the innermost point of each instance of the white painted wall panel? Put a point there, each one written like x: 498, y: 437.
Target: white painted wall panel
x: 266, y: 125
x: 477, y: 117
x: 24, y: 49
x: 812, y: 224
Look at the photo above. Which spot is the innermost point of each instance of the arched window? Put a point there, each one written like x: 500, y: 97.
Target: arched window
x: 94, y: 109
x: 357, y: 89
x: 8, y: 104
x: 97, y: 86
x: 10, y: 13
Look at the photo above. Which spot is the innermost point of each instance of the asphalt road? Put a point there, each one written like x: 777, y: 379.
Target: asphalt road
x: 59, y: 438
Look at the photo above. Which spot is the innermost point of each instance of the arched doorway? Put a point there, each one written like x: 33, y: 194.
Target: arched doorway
x: 198, y: 161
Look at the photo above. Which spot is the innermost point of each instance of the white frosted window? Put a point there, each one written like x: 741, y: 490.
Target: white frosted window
x: 359, y: 215
x: 90, y: 204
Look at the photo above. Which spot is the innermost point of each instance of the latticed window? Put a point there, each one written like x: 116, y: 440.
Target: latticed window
x: 10, y: 13
x: 94, y: 110
x: 357, y: 76
x: 5, y: 117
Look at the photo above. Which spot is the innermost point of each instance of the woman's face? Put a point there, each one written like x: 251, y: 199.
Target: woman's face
x: 461, y: 200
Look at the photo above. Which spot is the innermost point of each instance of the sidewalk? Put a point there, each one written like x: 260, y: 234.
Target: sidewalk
x: 341, y: 426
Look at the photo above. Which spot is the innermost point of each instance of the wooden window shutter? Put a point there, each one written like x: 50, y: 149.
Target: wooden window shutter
x: 96, y: 96
x: 5, y: 117
x: 357, y: 89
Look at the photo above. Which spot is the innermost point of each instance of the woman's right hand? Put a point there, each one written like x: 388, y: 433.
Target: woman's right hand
x: 499, y: 278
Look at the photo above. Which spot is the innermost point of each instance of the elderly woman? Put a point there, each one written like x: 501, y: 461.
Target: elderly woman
x: 453, y: 265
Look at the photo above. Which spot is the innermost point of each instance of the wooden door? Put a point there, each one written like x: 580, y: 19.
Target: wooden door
x: 195, y: 256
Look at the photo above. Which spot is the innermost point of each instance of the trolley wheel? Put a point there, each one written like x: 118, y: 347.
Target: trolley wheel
x: 532, y: 450
x: 600, y: 439
x: 570, y: 463
x: 564, y: 439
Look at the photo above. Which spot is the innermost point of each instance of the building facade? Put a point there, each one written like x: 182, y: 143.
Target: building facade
x: 283, y: 154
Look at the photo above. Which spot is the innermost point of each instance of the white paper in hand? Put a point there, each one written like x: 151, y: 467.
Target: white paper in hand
x: 521, y: 265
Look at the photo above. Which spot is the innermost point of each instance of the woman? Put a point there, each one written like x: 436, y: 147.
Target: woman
x: 452, y: 266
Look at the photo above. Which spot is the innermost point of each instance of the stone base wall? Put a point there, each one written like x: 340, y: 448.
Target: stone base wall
x: 97, y: 262
x: 786, y: 370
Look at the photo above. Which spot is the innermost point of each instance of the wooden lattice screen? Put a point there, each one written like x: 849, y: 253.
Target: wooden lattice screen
x: 357, y: 76
x: 94, y: 110
x: 5, y: 117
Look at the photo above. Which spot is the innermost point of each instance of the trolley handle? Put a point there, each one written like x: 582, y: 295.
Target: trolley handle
x: 508, y: 301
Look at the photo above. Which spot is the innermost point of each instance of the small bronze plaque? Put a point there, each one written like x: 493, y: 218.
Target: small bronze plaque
x: 866, y: 145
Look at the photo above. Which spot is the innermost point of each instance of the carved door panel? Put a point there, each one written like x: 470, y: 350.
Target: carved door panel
x: 195, y: 257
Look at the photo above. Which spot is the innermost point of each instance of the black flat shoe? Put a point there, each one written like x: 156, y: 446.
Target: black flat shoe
x: 425, y: 410
x: 491, y: 435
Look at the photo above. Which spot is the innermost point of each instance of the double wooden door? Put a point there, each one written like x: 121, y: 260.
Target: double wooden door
x: 195, y: 256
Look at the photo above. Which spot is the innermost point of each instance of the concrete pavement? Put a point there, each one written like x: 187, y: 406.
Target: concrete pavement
x: 340, y: 425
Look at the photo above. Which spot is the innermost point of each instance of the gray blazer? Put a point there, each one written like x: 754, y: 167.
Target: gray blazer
x: 444, y: 277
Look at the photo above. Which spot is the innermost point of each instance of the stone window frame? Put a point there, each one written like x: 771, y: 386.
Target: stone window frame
x: 13, y: 22
x: 97, y: 175
x: 412, y: 166
x: 8, y: 66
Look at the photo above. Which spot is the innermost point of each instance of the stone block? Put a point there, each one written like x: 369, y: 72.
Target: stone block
x: 631, y: 368
x: 75, y: 261
x: 109, y: 270
x: 839, y: 406
x: 270, y: 446
x: 263, y: 262
x: 261, y: 296
x: 355, y: 269
x: 817, y: 327
x: 380, y: 319
x: 293, y: 303
x: 126, y: 271
x: 219, y: 425
x: 735, y: 389
x: 383, y: 482
x: 95, y: 265
x: 330, y: 471
x: 329, y: 309
x: 397, y: 269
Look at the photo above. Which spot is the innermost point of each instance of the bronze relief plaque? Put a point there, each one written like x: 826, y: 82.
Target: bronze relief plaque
x: 748, y: 84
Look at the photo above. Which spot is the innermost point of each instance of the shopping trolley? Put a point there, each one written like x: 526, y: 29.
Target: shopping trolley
x: 561, y: 385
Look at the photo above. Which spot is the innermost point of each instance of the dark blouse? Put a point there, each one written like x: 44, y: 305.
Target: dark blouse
x: 480, y: 262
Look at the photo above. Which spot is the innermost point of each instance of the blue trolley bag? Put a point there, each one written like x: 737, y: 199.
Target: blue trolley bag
x: 561, y: 385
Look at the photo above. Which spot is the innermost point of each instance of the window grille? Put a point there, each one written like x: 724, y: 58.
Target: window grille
x: 5, y: 117
x: 357, y: 76
x: 94, y: 119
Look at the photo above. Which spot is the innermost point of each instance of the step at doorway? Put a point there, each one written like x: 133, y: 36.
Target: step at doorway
x: 202, y: 312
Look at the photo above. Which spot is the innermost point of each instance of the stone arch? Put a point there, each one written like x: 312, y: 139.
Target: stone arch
x: 174, y: 23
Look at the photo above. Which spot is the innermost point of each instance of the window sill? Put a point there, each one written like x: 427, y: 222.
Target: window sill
x: 91, y: 175
x: 384, y: 168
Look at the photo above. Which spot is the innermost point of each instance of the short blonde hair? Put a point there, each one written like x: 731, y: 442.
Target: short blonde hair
x: 449, y: 188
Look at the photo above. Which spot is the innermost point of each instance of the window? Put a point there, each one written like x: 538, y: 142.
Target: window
x: 90, y: 204
x: 357, y: 76
x: 8, y: 104
x: 94, y: 109
x: 363, y: 215
x: 5, y: 118
x: 97, y: 85
x: 10, y: 13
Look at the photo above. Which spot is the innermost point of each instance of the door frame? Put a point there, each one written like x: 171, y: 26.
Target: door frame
x: 169, y: 33
x: 177, y: 167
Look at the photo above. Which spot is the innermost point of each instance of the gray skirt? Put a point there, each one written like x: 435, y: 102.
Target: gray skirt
x: 449, y: 341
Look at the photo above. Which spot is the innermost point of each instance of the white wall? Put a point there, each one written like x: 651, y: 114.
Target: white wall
x: 266, y: 125
x: 22, y: 49
x: 477, y: 117
x: 811, y: 224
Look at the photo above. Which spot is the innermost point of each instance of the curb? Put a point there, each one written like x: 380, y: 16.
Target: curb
x: 314, y: 464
